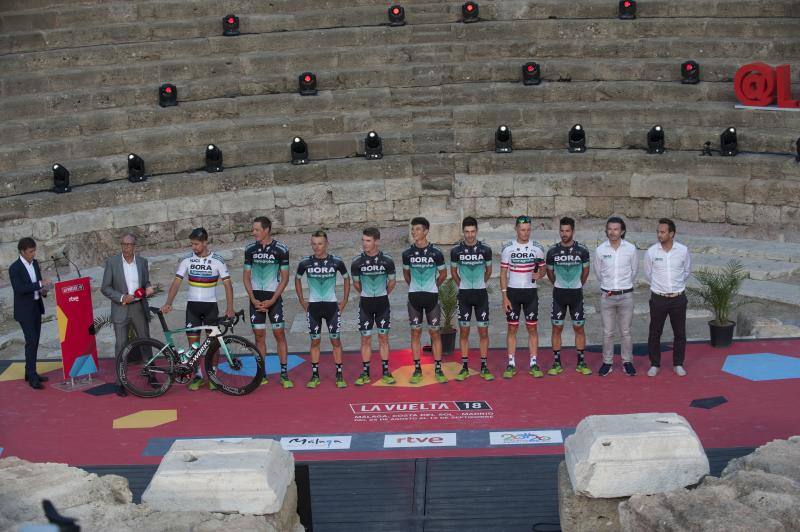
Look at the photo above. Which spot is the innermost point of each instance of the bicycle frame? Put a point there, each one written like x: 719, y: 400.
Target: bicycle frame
x: 214, y: 334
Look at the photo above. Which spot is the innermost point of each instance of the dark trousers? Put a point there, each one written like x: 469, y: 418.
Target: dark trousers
x: 32, y: 329
x: 136, y: 317
x: 660, y: 308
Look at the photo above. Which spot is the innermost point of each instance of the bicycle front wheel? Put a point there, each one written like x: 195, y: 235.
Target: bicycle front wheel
x: 145, y: 367
x: 240, y: 371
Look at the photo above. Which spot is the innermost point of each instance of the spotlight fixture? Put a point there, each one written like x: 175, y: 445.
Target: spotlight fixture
x: 727, y: 142
x: 502, y: 140
x: 397, y: 15
x: 469, y: 12
x: 299, y: 151
x: 373, y: 146
x: 307, y: 84
x: 60, y: 179
x: 135, y: 168
x: 655, y: 140
x: 690, y: 72
x: 230, y: 25
x: 213, y: 159
x: 627, y: 9
x: 531, y: 74
x: 797, y: 144
x: 577, y: 139
x: 167, y: 95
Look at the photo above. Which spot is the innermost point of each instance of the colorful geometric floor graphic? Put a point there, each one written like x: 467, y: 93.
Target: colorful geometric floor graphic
x: 740, y: 396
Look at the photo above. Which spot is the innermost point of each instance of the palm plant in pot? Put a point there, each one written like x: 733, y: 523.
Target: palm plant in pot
x: 448, y: 293
x: 717, y: 291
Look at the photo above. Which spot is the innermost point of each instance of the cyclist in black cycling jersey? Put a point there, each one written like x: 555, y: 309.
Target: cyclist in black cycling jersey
x: 373, y: 275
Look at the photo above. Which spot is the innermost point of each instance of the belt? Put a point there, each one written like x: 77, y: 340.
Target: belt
x: 617, y: 292
x: 669, y: 294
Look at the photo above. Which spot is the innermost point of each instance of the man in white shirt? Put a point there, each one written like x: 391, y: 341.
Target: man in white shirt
x: 667, y: 266
x: 616, y: 264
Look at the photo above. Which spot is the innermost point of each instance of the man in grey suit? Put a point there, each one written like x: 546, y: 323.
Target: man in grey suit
x: 123, y: 275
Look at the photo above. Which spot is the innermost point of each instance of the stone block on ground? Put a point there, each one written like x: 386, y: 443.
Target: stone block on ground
x: 780, y: 457
x: 579, y: 513
x: 246, y: 476
x: 620, y: 455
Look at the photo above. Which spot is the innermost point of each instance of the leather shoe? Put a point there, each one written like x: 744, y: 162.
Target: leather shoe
x: 35, y: 384
x: 121, y: 391
x: 42, y: 378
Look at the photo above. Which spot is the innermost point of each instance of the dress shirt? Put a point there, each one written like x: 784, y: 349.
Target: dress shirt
x: 131, y: 275
x: 32, y: 274
x: 616, y: 269
x: 667, y: 271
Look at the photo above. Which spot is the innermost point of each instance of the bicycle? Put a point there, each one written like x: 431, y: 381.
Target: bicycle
x: 147, y: 374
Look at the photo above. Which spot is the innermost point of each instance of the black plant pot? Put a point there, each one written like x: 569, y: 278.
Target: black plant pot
x: 448, y: 342
x: 721, y: 335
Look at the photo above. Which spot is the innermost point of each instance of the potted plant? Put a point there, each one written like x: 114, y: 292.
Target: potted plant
x: 448, y: 302
x: 716, y: 292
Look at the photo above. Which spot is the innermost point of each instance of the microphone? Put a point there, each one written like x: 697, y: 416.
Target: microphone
x: 55, y: 266
x: 76, y: 266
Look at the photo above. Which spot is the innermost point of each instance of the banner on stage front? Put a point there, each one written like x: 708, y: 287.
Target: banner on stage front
x: 75, y: 317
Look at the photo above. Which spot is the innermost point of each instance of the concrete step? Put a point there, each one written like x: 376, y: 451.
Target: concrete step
x: 212, y: 64
x: 130, y: 43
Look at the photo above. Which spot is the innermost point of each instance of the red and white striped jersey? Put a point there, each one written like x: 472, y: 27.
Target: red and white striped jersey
x: 520, y: 259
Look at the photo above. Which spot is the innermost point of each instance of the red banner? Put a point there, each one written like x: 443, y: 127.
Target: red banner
x: 75, y: 317
x: 759, y: 85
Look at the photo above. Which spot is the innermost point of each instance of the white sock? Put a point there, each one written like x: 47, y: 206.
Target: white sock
x: 511, y: 359
x: 533, y: 360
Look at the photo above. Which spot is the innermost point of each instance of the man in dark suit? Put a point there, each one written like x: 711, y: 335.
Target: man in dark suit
x: 123, y: 275
x: 29, y: 290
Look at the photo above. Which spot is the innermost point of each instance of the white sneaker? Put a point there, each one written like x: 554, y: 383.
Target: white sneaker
x: 653, y: 371
x: 679, y: 371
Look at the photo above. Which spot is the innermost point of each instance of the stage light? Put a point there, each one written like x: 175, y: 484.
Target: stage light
x: 577, y: 139
x: 627, y: 9
x: 60, y: 179
x: 307, y: 84
x: 135, y: 168
x: 167, y: 95
x: 230, y: 25
x: 797, y: 157
x: 469, y: 12
x: 655, y: 140
x: 299, y: 151
x: 690, y: 72
x: 502, y: 140
x: 397, y: 15
x: 727, y: 142
x: 531, y: 74
x: 373, y: 146
x: 213, y: 159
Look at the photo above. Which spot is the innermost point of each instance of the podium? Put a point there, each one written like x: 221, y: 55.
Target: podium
x: 75, y: 317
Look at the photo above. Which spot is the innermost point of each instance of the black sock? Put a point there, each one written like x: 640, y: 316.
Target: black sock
x: 580, y: 356
x: 315, y: 369
x: 464, y: 362
x: 483, y: 362
x: 284, y: 370
x: 385, y: 366
x: 438, y: 365
x: 556, y: 357
x: 417, y: 365
x: 338, y: 370
x: 366, y: 367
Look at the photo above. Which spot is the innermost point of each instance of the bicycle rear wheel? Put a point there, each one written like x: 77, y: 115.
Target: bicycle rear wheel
x: 242, y: 373
x: 145, y: 367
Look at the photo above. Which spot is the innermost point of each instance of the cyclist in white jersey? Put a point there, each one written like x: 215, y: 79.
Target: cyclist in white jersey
x: 203, y: 270
x: 521, y: 265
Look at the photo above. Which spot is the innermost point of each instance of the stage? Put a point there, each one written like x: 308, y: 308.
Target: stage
x: 740, y: 396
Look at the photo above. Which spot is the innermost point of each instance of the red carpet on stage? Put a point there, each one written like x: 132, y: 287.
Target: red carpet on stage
x: 519, y: 416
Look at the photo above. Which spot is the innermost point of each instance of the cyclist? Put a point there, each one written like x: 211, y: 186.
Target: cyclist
x: 203, y: 270
x: 320, y: 270
x: 266, y: 274
x: 373, y: 275
x: 424, y: 271
x: 568, y: 270
x: 520, y: 268
x: 471, y: 267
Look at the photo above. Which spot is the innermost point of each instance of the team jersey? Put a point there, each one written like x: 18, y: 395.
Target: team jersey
x: 321, y: 275
x: 265, y: 264
x: 471, y: 263
x: 203, y: 274
x: 519, y: 260
x: 424, y: 264
x: 568, y: 263
x: 373, y: 273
